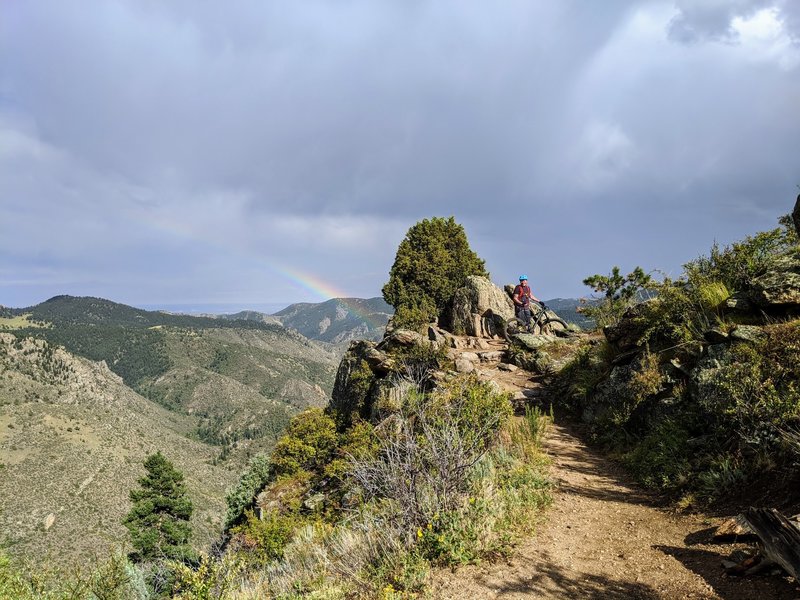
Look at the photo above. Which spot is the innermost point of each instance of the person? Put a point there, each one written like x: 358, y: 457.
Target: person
x: 522, y: 300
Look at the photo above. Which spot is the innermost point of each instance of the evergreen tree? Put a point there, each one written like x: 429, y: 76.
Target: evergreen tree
x: 433, y: 260
x: 619, y: 293
x: 159, y: 520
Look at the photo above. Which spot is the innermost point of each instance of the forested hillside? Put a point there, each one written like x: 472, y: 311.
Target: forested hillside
x: 240, y: 380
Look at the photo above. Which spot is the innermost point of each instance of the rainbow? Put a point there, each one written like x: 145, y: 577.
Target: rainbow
x: 321, y: 288
x: 300, y: 279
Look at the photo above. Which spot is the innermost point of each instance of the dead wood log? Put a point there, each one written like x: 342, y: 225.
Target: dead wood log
x: 734, y: 529
x: 779, y: 537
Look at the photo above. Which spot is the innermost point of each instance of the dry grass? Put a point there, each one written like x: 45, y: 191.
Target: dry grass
x: 71, y: 447
x: 19, y: 322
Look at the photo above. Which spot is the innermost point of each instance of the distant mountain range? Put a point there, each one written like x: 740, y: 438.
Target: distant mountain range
x: 336, y: 321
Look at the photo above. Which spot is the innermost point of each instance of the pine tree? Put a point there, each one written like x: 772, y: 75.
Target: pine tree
x: 159, y: 520
x: 433, y: 260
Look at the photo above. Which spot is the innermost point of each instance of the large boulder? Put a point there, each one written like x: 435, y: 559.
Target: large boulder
x: 354, y: 380
x: 479, y: 309
x: 780, y: 286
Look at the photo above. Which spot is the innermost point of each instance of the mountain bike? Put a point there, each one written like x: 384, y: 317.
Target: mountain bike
x: 541, y: 322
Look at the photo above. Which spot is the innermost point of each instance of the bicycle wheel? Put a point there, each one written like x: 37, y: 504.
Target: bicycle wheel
x: 513, y: 326
x: 551, y: 325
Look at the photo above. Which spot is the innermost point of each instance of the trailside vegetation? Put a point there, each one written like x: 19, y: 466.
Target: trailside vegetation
x: 696, y: 388
x: 618, y: 294
x: 348, y: 507
x: 433, y: 260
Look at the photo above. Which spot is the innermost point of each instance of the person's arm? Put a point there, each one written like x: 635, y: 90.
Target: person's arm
x: 515, y: 297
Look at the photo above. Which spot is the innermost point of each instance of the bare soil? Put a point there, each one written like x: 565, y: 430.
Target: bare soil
x: 604, y: 537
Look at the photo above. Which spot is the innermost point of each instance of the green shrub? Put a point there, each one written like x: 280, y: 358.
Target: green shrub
x: 211, y: 579
x: 244, y: 493
x: 590, y: 365
x: 113, y: 579
x: 357, y: 443
x: 736, y: 265
x: 308, y: 443
x: 264, y: 539
x: 432, y: 261
x: 757, y: 394
x: 661, y: 459
x: 726, y: 474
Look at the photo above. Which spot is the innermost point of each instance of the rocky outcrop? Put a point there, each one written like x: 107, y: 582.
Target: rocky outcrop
x: 354, y: 379
x: 400, y: 338
x: 626, y: 334
x: 366, y: 384
x: 479, y: 309
x: 780, y: 286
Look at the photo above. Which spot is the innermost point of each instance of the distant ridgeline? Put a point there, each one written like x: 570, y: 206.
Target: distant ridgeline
x: 129, y: 339
x: 241, y: 378
x: 339, y: 320
x: 336, y: 321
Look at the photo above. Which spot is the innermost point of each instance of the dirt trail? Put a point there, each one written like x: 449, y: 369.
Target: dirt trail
x: 605, y: 538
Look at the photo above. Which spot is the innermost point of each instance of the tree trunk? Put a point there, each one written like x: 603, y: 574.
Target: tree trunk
x: 780, y: 537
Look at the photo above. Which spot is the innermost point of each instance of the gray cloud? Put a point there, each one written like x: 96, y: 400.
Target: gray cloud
x: 189, y: 152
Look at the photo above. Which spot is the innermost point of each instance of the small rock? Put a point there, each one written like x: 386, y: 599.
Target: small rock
x: 435, y: 335
x: 464, y: 365
x: 313, y: 502
x: 748, y: 333
x: 507, y: 367
x: 48, y: 521
x: 491, y: 356
x: 739, y: 303
x: 471, y: 356
x: 494, y: 386
x: 715, y: 336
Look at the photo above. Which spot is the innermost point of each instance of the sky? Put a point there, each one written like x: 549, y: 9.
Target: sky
x: 253, y: 153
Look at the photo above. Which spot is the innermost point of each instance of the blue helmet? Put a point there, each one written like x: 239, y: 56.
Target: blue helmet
x: 523, y: 278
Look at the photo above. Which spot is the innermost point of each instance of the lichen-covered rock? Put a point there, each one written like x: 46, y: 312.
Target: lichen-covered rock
x: 401, y: 338
x: 704, y: 378
x: 780, y: 286
x: 479, y: 309
x: 738, y: 303
x: 354, y: 379
x: 629, y: 331
x: 748, y: 333
x: 535, y: 361
x: 533, y: 342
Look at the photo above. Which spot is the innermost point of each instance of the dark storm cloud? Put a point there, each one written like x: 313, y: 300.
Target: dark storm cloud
x: 211, y: 149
